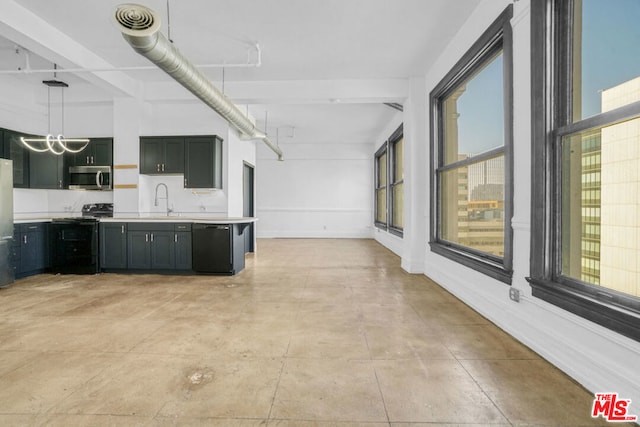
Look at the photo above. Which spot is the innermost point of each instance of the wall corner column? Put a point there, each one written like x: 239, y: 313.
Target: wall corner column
x: 416, y: 177
x: 128, y: 114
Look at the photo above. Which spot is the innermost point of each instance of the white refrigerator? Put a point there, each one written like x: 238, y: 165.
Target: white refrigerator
x: 6, y: 222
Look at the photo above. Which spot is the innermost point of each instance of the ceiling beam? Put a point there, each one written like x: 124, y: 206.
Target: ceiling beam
x: 361, y: 91
x: 33, y: 33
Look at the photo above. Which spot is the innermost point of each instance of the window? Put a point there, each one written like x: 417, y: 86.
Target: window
x: 586, y: 135
x: 381, y: 187
x: 396, y: 182
x: 390, y: 174
x: 471, y: 137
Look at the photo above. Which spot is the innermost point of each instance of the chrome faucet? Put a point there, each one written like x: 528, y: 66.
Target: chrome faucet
x: 166, y: 196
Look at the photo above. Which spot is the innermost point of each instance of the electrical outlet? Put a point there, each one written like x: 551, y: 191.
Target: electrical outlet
x: 514, y: 294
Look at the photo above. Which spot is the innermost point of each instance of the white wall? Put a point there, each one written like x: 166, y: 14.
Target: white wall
x: 128, y: 114
x: 18, y: 109
x: 89, y: 120
x: 320, y: 190
x: 599, y: 359
x: 239, y: 152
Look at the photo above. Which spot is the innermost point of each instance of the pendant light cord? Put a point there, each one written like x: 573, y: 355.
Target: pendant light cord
x: 49, y: 109
x: 62, y: 110
x: 168, y: 23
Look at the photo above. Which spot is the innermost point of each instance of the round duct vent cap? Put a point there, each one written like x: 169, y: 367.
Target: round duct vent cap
x: 135, y: 19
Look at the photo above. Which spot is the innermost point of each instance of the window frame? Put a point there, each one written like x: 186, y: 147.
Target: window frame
x: 551, y: 120
x: 377, y: 186
x: 396, y: 136
x: 498, y: 36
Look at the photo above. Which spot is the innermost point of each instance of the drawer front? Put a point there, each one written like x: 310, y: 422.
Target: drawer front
x: 150, y: 226
x: 33, y: 226
x: 182, y: 227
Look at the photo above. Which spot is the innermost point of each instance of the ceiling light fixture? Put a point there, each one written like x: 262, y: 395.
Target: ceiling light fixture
x: 57, y: 145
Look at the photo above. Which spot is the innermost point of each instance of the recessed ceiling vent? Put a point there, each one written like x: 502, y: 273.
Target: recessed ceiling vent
x: 136, y: 19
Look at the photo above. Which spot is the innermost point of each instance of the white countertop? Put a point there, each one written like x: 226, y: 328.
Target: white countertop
x: 24, y: 220
x: 199, y: 219
x: 191, y: 219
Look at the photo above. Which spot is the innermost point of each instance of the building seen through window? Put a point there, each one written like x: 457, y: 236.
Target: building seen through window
x: 600, y: 202
x: 475, y: 189
x: 471, y: 150
x: 586, y: 124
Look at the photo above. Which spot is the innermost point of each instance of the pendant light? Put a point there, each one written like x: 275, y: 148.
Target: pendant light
x: 57, y: 145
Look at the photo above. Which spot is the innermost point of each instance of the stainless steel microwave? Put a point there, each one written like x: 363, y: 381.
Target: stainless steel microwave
x: 90, y: 178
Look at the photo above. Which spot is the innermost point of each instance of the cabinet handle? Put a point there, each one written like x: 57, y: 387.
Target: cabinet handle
x: 92, y: 161
x: 151, y: 237
x: 87, y: 159
x: 185, y: 182
x: 175, y: 237
x: 158, y: 167
x: 146, y: 237
x: 163, y: 167
x: 25, y: 239
x: 122, y: 230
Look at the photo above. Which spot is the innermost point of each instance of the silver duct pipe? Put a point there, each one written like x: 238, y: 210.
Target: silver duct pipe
x: 140, y: 28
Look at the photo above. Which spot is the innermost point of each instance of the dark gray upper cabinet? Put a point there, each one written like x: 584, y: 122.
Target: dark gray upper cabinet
x: 161, y: 155
x: 99, y: 152
x: 198, y: 157
x: 46, y: 170
x: 4, y: 148
x: 17, y: 152
x: 203, y: 162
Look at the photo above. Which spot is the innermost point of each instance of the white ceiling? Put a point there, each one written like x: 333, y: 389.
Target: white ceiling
x: 317, y: 44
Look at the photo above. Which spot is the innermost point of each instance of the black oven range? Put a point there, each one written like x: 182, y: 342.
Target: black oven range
x: 74, y: 241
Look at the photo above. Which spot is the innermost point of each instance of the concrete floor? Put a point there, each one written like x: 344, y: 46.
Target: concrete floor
x: 311, y: 333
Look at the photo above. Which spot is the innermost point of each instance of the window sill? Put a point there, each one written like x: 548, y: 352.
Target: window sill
x: 619, y: 319
x: 396, y: 231
x: 478, y: 263
x: 381, y: 226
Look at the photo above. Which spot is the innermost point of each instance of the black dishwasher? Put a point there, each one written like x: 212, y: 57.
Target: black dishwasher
x: 217, y: 248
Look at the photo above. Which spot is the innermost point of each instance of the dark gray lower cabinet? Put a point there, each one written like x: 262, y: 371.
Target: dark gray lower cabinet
x: 138, y: 250
x: 113, y: 245
x: 159, y: 246
x: 163, y: 252
x: 183, y: 250
x: 33, y: 249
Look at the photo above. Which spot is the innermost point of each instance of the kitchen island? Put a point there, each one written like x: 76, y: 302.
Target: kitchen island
x: 173, y: 244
